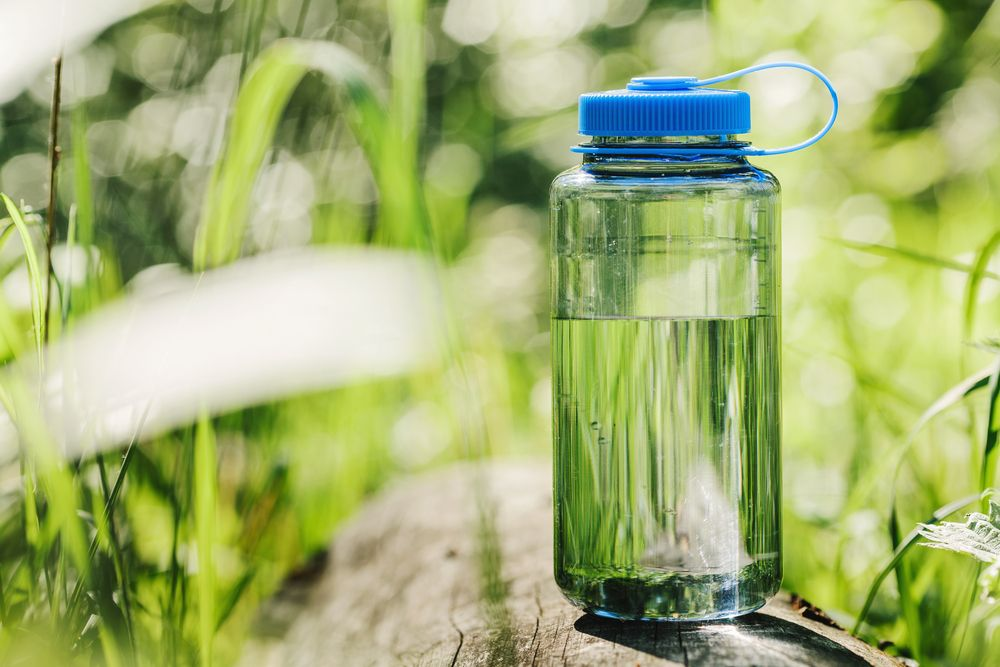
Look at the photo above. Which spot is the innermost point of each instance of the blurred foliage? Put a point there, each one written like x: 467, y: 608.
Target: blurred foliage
x: 884, y: 223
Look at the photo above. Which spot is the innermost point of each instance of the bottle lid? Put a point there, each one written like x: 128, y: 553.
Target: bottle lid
x: 674, y: 106
x: 664, y: 107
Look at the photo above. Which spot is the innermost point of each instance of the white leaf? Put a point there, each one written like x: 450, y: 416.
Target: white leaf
x: 35, y: 32
x: 979, y: 536
x: 255, y: 331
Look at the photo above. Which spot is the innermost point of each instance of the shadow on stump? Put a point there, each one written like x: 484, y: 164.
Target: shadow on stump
x: 754, y: 639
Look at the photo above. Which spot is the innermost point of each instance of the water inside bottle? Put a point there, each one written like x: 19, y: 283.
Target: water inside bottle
x: 667, y: 465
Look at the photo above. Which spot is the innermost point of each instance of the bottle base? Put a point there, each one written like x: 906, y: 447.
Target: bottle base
x: 717, y: 616
x: 668, y: 596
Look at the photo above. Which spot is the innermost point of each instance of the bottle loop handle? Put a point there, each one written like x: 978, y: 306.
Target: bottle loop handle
x: 783, y: 64
x: 676, y: 83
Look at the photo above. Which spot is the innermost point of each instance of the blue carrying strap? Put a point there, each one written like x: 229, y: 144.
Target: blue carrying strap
x: 681, y: 83
x: 785, y: 65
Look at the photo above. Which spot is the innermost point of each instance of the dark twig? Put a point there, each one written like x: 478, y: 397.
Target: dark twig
x: 54, y: 154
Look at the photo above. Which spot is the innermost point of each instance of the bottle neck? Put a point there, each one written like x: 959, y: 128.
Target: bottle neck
x: 688, y: 160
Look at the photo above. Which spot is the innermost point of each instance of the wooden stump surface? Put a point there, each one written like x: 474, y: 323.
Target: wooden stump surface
x: 455, y: 568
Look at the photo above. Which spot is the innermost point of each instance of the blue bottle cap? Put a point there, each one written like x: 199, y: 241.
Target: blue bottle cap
x: 664, y: 107
x: 674, y: 106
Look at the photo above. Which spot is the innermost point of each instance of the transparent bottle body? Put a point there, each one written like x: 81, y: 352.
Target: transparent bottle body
x: 666, y: 414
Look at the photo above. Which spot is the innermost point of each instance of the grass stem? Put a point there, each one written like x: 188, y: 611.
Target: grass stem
x: 50, y: 218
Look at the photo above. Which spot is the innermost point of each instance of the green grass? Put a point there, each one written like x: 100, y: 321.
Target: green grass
x: 110, y: 601
x: 988, y: 378
x: 976, y: 275
x: 900, y: 550
x: 205, y: 498
x: 36, y: 285
x: 159, y: 554
x: 263, y: 95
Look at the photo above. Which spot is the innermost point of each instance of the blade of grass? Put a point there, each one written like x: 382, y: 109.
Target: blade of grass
x: 11, y: 333
x: 950, y: 398
x: 83, y: 191
x: 972, y: 285
x: 109, y: 646
x: 300, y: 22
x: 233, y: 597
x: 102, y: 594
x: 34, y: 274
x: 953, y: 396
x: 987, y: 469
x: 32, y: 522
x: 117, y: 556
x: 82, y: 188
x: 42, y: 466
x: 256, y: 12
x: 875, y: 476
x: 10, y: 330
x: 54, y: 477
x: 6, y: 232
x: 904, y: 545
x: 403, y: 219
x: 3, y: 602
x: 263, y: 95
x: 50, y: 216
x: 66, y: 290
x: 907, y: 606
x: 175, y: 606
x: 913, y: 255
x: 205, y: 462
x: 262, y: 509
x: 968, y: 386
x: 109, y: 506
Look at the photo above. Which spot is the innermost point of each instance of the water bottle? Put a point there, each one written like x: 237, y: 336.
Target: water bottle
x: 666, y: 293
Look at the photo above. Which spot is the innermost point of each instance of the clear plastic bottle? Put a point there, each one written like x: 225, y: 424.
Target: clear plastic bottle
x: 665, y: 335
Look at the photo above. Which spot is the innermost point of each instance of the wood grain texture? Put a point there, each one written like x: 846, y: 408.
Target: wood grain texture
x: 455, y: 569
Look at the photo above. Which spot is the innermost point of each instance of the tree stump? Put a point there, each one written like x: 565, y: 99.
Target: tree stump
x: 455, y: 568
